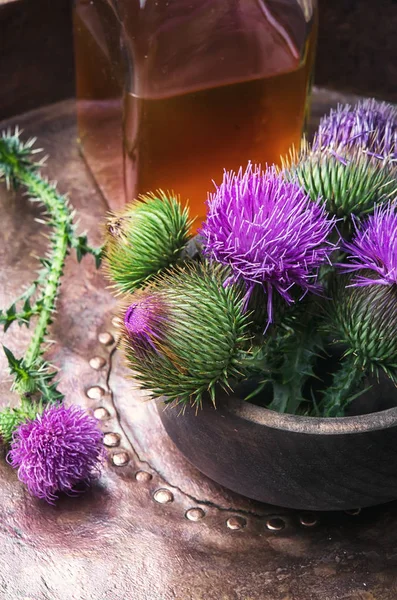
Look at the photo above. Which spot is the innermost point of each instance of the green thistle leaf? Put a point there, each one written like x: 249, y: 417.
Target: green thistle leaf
x: 143, y: 240
x: 10, y: 315
x: 16, y: 366
x: 80, y: 244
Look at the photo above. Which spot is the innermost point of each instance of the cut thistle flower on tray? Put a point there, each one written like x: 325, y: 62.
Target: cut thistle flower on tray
x: 266, y: 299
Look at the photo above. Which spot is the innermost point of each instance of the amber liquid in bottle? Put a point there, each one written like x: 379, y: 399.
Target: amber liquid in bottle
x: 183, y: 142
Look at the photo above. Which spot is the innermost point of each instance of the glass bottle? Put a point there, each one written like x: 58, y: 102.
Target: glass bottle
x: 171, y: 93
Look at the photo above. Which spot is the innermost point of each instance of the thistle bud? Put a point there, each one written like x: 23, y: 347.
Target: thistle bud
x: 148, y: 236
x: 186, y: 334
x: 365, y: 319
x: 364, y: 307
x: 369, y: 124
x: 349, y: 181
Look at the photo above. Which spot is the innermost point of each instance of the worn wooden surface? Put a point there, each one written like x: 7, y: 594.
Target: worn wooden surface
x: 116, y: 542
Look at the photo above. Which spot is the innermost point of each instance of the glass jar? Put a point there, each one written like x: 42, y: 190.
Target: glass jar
x: 171, y: 93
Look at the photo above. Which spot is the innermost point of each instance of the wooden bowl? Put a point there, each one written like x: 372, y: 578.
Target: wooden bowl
x: 296, y: 462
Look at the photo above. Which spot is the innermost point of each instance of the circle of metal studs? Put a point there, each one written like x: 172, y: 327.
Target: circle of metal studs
x: 117, y: 322
x: 106, y: 338
x: 275, y: 524
x: 354, y: 512
x: 143, y: 476
x: 101, y: 413
x: 308, y: 520
x: 95, y: 392
x: 194, y: 514
x: 120, y: 459
x: 163, y: 496
x: 97, y: 362
x: 236, y: 523
x: 111, y: 439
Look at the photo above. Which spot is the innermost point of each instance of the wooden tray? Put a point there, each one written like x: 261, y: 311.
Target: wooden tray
x: 152, y: 527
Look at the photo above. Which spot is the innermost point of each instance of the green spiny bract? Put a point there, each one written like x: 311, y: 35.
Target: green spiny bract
x: 365, y: 320
x: 148, y: 236
x: 11, y: 418
x: 348, y: 180
x: 187, y: 334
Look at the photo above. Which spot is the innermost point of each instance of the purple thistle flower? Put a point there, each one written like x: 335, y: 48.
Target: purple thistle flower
x: 57, y: 450
x: 370, y: 124
x: 374, y: 248
x: 268, y: 231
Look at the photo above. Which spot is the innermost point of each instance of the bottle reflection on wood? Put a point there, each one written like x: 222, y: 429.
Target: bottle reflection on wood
x: 172, y: 93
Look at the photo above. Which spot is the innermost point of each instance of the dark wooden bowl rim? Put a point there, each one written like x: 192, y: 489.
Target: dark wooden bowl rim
x: 311, y: 425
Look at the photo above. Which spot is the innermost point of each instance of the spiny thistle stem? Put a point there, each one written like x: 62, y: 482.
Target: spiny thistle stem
x: 60, y: 250
x: 289, y: 358
x: 343, y: 389
x: 17, y: 166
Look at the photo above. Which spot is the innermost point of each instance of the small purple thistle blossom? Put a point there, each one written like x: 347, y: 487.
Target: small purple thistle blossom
x: 374, y: 247
x: 268, y: 231
x: 57, y: 450
x: 370, y: 124
x: 144, y: 322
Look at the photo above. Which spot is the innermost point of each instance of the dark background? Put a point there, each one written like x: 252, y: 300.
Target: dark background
x: 357, y: 50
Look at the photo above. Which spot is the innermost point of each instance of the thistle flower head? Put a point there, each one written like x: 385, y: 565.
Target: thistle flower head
x: 365, y: 319
x: 374, y: 248
x: 349, y: 181
x: 268, y: 231
x: 369, y: 124
x: 148, y: 236
x: 56, y: 451
x: 184, y: 335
